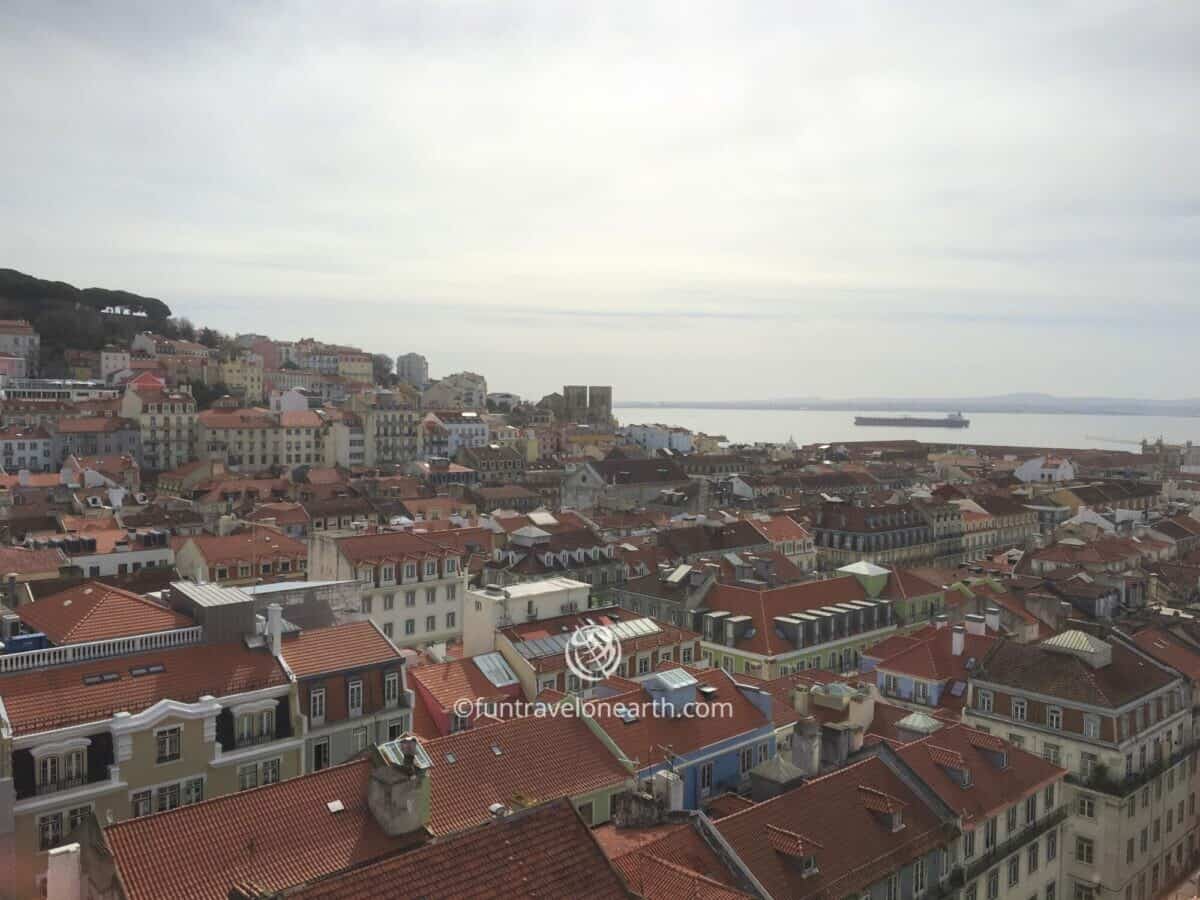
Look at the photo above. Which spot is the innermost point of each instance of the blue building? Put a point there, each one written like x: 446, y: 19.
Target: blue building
x: 699, y: 724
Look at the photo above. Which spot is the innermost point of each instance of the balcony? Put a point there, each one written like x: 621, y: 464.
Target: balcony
x: 1000, y: 852
x: 65, y: 783
x: 253, y: 740
x: 1100, y: 780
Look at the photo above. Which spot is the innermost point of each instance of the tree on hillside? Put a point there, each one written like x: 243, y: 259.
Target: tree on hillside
x: 382, y: 365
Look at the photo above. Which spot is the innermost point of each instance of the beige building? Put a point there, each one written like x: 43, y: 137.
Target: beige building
x: 167, y: 421
x: 1121, y: 724
x: 389, y: 422
x: 123, y: 736
x: 243, y: 375
x: 255, y: 439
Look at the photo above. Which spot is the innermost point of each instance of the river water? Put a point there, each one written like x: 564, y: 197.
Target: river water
x: 1018, y: 429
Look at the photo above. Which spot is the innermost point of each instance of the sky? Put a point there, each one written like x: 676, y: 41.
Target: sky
x: 690, y: 201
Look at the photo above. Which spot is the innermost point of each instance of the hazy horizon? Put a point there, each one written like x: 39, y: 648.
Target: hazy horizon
x: 700, y: 201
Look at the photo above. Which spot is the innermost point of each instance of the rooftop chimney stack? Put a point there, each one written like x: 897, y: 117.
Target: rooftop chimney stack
x: 992, y: 618
x: 976, y: 624
x: 958, y: 640
x: 275, y: 628
x: 398, y: 793
x: 63, y: 880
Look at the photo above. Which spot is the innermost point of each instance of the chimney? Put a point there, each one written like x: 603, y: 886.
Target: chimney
x: 958, y: 640
x: 275, y: 628
x: 806, y: 747
x: 976, y: 624
x: 801, y: 699
x: 940, y: 621
x: 62, y: 873
x: 992, y: 618
x: 23, y: 478
x: 398, y: 792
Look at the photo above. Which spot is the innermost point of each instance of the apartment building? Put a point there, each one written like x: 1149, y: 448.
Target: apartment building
x: 389, y: 422
x: 902, y: 534
x: 244, y: 376
x: 17, y: 338
x: 167, y: 424
x: 352, y: 690
x: 123, y: 736
x: 27, y: 448
x: 1120, y: 723
x: 255, y: 439
x: 411, y: 585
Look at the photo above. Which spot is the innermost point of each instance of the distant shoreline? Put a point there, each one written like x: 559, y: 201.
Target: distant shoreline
x: 911, y: 407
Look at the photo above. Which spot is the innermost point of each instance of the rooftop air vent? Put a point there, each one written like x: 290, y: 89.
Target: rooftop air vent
x: 335, y: 806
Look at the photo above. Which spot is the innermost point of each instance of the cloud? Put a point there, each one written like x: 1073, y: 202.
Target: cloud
x: 695, y: 199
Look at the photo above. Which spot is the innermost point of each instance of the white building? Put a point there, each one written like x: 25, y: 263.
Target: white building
x: 462, y: 390
x: 1042, y: 469
x: 412, y: 368
x: 17, y: 338
x: 464, y: 429
x: 488, y: 609
x: 655, y: 437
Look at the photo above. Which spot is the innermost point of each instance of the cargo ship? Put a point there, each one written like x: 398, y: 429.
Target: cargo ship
x: 954, y: 420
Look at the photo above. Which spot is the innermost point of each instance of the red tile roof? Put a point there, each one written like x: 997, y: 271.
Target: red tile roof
x: 859, y: 847
x: 940, y: 758
x: 354, y: 645
x: 200, y: 851
x: 780, y: 528
x: 262, y: 544
x: 1168, y: 649
x: 679, y: 846
x: 24, y: 561
x: 643, y: 740
x: 93, y: 611
x: 540, y: 759
x: 456, y: 679
x: 934, y: 659
x: 57, y: 697
x: 401, y: 544
x: 543, y: 852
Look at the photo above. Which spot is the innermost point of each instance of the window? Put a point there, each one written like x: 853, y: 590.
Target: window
x: 918, y: 876
x: 1129, y: 850
x: 993, y: 884
x: 1130, y: 807
x: 1087, y: 764
x: 391, y: 688
x: 270, y: 771
x: 746, y: 759
x: 1014, y: 870
x: 431, y: 623
x: 984, y: 701
x: 76, y: 816
x: 140, y: 804
x: 387, y: 629
x: 1049, y: 797
x: 685, y: 655
x: 1085, y: 850
x: 167, y: 797
x: 50, y: 831
x: 1051, y: 890
x: 706, y: 778
x: 360, y: 739
x: 1031, y: 857
x: 970, y: 892
x: 1030, y: 809
x: 410, y: 598
x: 1144, y: 840
x: 316, y: 706
x: 321, y: 755
x: 989, y: 834
x: 247, y: 777
x: 1054, y: 717
x: 410, y: 626
x: 921, y: 692
x: 893, y: 888
x: 356, y: 698
x: 1091, y: 726
x: 1010, y: 820
x: 168, y: 742
x: 1050, y: 753
x: 968, y: 842
x: 389, y: 601
x: 366, y: 605
x: 430, y: 596
x: 193, y: 791
x: 1051, y: 845
x: 643, y: 665
x: 1019, y: 709
x: 1086, y: 806
x: 1156, y: 826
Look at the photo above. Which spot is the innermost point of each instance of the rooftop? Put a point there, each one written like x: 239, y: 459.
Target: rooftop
x: 355, y: 645
x: 93, y: 611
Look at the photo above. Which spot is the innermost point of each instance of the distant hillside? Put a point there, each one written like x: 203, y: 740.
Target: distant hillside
x: 68, y: 317
x: 17, y: 287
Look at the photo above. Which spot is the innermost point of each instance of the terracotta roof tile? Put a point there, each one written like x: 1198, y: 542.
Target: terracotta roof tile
x: 200, y: 851
x: 336, y: 648
x: 522, y: 773
x: 542, y: 852
x: 456, y: 679
x: 56, y: 697
x: 93, y: 611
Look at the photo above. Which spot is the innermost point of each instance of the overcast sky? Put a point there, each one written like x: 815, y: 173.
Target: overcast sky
x: 685, y: 200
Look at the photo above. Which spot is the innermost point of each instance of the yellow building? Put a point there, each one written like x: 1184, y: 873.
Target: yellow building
x: 244, y: 376
x: 126, y: 736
